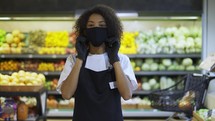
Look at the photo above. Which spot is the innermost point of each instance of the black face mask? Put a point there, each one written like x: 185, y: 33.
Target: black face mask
x: 96, y: 35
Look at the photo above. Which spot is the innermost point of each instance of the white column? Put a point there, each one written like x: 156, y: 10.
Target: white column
x: 208, y: 21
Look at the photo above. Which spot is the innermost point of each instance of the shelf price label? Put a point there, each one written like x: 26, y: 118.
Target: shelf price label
x: 2, y: 56
x: 10, y: 72
x: 46, y: 73
x: 54, y: 56
x: 30, y: 56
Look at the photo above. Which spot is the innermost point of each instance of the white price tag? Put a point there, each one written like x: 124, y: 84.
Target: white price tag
x: 30, y: 56
x: 2, y: 56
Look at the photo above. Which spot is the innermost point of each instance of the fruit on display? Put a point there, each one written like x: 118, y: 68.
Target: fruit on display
x: 46, y: 66
x: 52, y: 50
x: 12, y: 43
x: 2, y: 36
x: 161, y: 40
x: 9, y: 65
x: 51, y: 85
x: 169, y: 40
x: 50, y: 66
x: 31, y: 49
x: 128, y: 44
x: 23, y: 78
x: 53, y: 103
x: 36, y: 38
x: 72, y: 41
x: 15, y: 37
x: 59, y: 65
x: 57, y: 39
x: 36, y: 41
x: 55, y: 43
x: 29, y: 65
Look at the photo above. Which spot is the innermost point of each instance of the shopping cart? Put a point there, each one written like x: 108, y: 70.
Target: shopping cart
x: 182, y: 100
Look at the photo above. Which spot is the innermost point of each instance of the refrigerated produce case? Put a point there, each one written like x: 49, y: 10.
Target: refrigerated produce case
x: 139, y: 73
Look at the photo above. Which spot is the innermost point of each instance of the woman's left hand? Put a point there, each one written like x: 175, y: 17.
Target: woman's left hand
x: 112, y: 48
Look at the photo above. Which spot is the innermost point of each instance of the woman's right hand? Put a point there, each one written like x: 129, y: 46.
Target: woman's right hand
x: 81, y: 47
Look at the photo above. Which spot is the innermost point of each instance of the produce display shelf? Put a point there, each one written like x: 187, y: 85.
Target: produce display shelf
x: 29, y: 56
x: 137, y: 73
x: 60, y: 113
x: 47, y: 73
x: 152, y: 73
x: 40, y: 95
x: 53, y: 92
x: 59, y: 56
x: 196, y: 55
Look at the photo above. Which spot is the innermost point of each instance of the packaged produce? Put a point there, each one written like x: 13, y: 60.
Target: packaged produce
x: 22, y: 111
x: 8, y: 110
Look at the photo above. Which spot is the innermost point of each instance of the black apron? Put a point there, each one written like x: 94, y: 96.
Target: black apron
x: 94, y: 100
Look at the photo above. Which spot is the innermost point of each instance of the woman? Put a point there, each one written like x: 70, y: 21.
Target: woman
x: 98, y: 77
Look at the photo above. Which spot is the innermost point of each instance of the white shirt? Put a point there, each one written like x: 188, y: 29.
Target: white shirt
x: 95, y: 66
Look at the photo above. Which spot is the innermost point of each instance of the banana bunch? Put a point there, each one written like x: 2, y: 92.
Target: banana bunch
x: 57, y: 39
x: 128, y: 45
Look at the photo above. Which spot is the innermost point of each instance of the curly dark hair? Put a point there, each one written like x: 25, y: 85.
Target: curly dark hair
x: 114, y: 26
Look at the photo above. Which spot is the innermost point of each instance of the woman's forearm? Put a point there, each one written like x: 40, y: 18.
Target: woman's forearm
x: 69, y: 86
x: 122, y: 82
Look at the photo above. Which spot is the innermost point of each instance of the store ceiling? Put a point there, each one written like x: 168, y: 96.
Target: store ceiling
x: 69, y: 7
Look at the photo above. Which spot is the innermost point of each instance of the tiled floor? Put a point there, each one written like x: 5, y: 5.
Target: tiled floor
x: 124, y: 120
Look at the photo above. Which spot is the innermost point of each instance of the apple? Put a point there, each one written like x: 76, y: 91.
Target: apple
x: 29, y: 84
x: 15, y: 33
x: 21, y: 36
x: 9, y: 38
x: 4, y: 82
x: 5, y: 45
x: 13, y: 45
x: 16, y: 40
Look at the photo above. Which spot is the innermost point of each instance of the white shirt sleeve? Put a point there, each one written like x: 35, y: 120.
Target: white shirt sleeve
x: 128, y: 70
x: 70, y: 61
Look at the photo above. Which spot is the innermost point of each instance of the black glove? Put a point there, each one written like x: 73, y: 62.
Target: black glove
x: 81, y: 47
x: 112, y: 48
